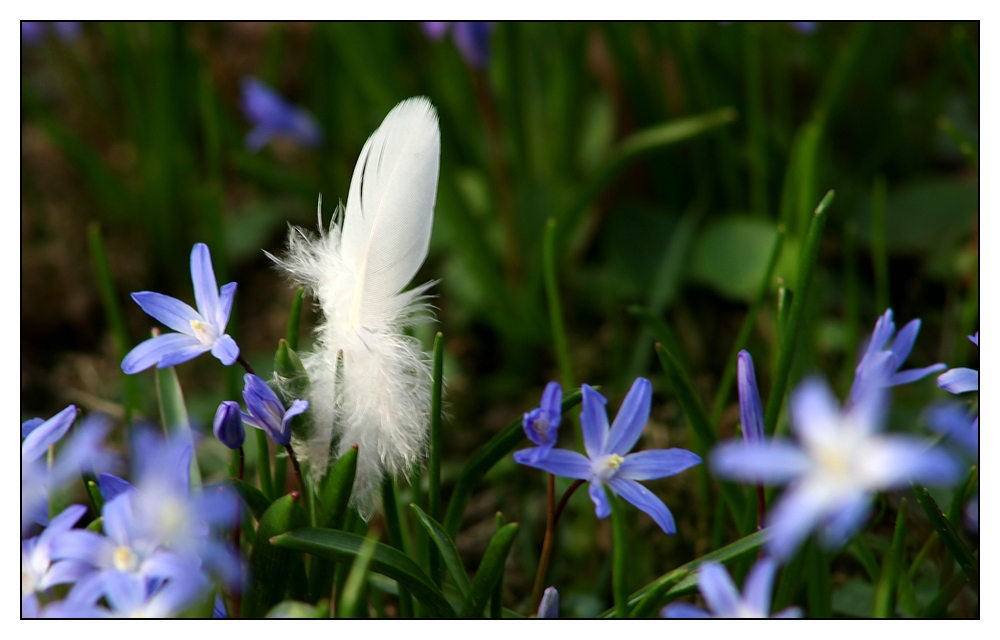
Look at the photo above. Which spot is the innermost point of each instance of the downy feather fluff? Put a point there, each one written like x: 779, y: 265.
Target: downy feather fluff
x: 369, y: 384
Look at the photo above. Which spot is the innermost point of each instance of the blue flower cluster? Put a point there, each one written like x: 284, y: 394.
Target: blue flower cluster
x: 152, y: 555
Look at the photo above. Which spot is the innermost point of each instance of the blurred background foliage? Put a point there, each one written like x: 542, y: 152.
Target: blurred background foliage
x: 666, y: 153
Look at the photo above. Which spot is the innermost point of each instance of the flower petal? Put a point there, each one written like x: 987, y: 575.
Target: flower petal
x: 206, y: 291
x: 890, y: 462
x: 49, y: 432
x: 81, y: 545
x: 182, y: 354
x: 225, y: 349
x: 758, y: 584
x: 602, y: 507
x: 559, y: 462
x: 794, y: 515
x: 112, y: 486
x: 631, y: 419
x: 974, y: 339
x: 656, y: 463
x: 718, y: 589
x: 773, y: 462
x: 552, y: 403
x: 952, y: 420
x: 262, y: 402
x: 148, y: 353
x: 903, y: 344
x: 912, y: 375
x: 683, y: 610
x: 225, y: 305
x: 841, y: 525
x: 594, y: 421
x: 549, y: 606
x: 814, y: 411
x: 170, y: 311
x: 643, y: 499
x: 959, y: 380
x: 751, y: 413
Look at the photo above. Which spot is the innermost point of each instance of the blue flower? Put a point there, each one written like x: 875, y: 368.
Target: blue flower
x: 541, y: 424
x: 267, y: 412
x: 881, y: 366
x: 724, y: 600
x: 805, y: 28
x: 751, y: 413
x: 41, y: 568
x: 32, y: 33
x: 608, y: 459
x: 841, y: 460
x: 960, y: 380
x: 132, y: 596
x: 953, y: 421
x: 549, y: 606
x: 471, y: 38
x: 272, y: 116
x: 83, y: 450
x: 228, y: 425
x: 200, y: 331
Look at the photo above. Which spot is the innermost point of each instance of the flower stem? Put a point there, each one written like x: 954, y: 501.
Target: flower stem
x: 295, y: 466
x: 565, y: 499
x: 543, y: 560
x: 236, y: 542
x: 246, y: 365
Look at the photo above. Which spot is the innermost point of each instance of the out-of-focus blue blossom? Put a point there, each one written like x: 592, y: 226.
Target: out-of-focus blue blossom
x: 751, y: 413
x: 881, y: 366
x: 549, y: 606
x: 267, y: 412
x: 840, y: 462
x: 218, y: 608
x: 805, y: 28
x: 83, y: 450
x: 228, y: 425
x: 132, y: 596
x: 725, y: 601
x: 608, y: 460
x: 472, y: 39
x: 40, y: 569
x: 541, y: 425
x: 33, y: 33
x: 953, y: 421
x: 272, y: 116
x: 961, y: 379
x: 199, y: 331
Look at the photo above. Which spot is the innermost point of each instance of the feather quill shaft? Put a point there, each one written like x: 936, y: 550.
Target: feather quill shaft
x: 369, y: 384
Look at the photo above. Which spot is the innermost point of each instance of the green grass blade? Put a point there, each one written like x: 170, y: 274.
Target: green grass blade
x: 818, y: 589
x: 885, y: 592
x: 555, y: 308
x: 483, y: 460
x: 345, y: 547
x: 269, y: 564
x: 490, y: 570
x: 264, y: 463
x: 619, y: 562
x: 254, y: 498
x: 351, y: 598
x: 446, y: 548
x: 294, y: 320
x: 335, y: 490
x: 496, y: 598
x: 949, y: 536
x: 394, y: 529
x: 174, y: 415
x: 807, y: 261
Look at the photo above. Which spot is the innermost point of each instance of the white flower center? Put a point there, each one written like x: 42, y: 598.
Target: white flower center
x: 125, y: 560
x: 204, y: 331
x: 605, y: 468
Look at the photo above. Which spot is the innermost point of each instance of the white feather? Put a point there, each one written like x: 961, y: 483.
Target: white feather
x: 369, y: 384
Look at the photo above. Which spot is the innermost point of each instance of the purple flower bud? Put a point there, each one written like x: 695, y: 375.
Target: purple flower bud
x: 751, y: 413
x: 228, y: 425
x: 267, y: 412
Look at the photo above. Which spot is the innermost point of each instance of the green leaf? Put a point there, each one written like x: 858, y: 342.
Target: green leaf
x: 732, y: 256
x: 335, y: 490
x: 619, y: 563
x: 254, y: 498
x: 818, y: 590
x: 490, y: 570
x: 948, y: 534
x: 269, y: 564
x: 174, y: 415
x: 447, y: 549
x: 496, y: 598
x: 434, y: 464
x: 294, y: 319
x: 885, y: 593
x: 660, y: 591
x: 296, y: 609
x: 96, y: 525
x: 555, y: 307
x: 95, y: 496
x: 397, y: 538
x: 345, y: 547
x: 483, y: 460
x: 351, y: 598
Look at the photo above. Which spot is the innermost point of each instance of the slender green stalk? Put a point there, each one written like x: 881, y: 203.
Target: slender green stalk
x: 434, y: 466
x: 620, y: 567
x: 818, y: 588
x: 880, y: 255
x: 555, y: 308
x: 785, y: 297
x: 496, y: 598
x: 264, y: 464
x: 394, y: 529
x: 294, y: 319
x: 756, y: 124
x: 351, y: 599
x: 113, y: 313
x: 807, y: 260
x: 949, y: 536
x: 729, y: 374
x: 885, y: 592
